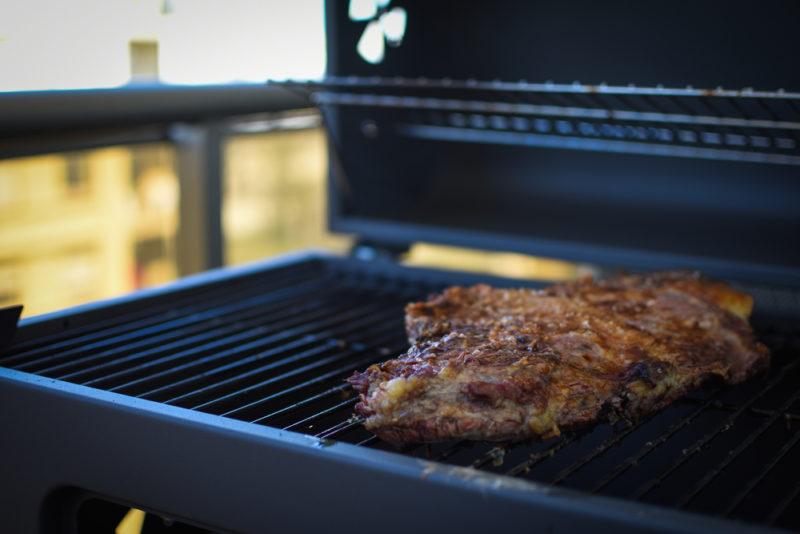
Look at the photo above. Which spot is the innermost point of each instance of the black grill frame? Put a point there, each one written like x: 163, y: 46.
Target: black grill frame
x: 268, y: 325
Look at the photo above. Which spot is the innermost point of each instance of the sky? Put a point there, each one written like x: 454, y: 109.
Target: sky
x: 72, y: 44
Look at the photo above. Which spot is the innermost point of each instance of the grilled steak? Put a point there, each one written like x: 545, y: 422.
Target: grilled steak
x: 511, y: 364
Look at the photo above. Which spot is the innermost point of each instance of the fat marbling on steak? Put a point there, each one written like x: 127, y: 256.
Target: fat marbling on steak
x: 512, y: 364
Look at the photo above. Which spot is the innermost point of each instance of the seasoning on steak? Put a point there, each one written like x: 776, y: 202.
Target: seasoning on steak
x: 512, y: 364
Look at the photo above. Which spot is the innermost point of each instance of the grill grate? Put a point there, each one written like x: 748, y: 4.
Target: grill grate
x: 720, y: 124
x: 273, y: 348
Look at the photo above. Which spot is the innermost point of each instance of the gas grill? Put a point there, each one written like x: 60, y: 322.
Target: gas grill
x: 219, y: 401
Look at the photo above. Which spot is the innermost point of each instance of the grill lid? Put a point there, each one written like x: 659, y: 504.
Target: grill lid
x: 645, y: 176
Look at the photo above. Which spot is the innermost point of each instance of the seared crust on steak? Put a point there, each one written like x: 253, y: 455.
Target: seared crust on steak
x: 512, y: 364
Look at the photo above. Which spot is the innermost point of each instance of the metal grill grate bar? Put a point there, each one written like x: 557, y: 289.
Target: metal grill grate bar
x: 783, y: 504
x: 538, y: 457
x: 335, y: 390
x: 448, y: 452
x: 159, y: 332
x: 750, y: 486
x: 315, y: 364
x: 340, y: 388
x: 216, y: 385
x: 217, y: 328
x: 288, y: 348
x: 340, y: 427
x: 326, y: 411
x: 369, y: 441
x: 600, y: 449
x: 194, y: 302
x: 695, y: 447
x: 732, y: 455
x: 652, y: 445
x: 313, y: 382
x: 289, y: 330
x: 492, y: 455
x: 234, y: 412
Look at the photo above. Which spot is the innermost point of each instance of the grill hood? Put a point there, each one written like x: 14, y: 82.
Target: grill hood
x: 678, y: 147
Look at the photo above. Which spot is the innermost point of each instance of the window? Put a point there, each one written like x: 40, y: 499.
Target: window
x: 85, y: 225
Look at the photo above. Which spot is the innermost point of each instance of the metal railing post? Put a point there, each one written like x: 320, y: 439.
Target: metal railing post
x: 200, y: 165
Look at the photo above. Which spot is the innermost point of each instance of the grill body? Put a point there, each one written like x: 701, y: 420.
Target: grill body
x: 219, y: 401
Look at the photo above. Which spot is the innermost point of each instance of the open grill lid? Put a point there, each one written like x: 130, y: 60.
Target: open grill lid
x: 653, y: 175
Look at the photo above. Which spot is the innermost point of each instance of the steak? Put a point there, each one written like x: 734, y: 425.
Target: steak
x: 513, y: 364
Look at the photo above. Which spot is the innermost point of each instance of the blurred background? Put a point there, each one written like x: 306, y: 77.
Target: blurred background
x: 81, y: 225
